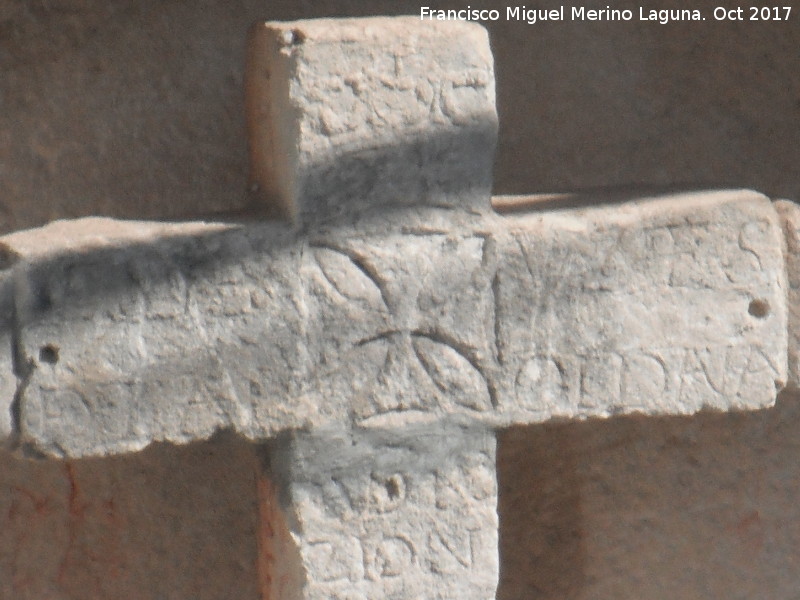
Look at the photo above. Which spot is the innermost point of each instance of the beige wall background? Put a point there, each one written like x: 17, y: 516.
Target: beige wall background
x: 134, y: 109
x: 699, y: 508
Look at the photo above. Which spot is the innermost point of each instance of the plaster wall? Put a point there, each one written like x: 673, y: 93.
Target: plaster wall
x: 698, y: 507
x: 164, y: 524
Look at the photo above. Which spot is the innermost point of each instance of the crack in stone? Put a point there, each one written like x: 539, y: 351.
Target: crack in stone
x: 499, y: 354
x: 383, y: 335
x: 23, y: 366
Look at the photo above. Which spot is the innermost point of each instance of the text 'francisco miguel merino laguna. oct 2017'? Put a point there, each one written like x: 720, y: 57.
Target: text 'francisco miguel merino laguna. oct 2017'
x: 531, y: 16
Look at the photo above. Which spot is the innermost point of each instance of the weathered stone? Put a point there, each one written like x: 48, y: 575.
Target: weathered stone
x: 790, y: 220
x: 672, y: 305
x: 390, y: 344
x: 348, y: 114
x: 127, y: 322
x: 386, y: 514
x: 143, y: 332
x: 8, y: 368
x: 128, y: 333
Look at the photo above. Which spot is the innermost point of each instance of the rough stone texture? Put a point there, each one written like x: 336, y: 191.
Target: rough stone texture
x: 112, y: 379
x: 370, y: 111
x: 8, y: 368
x: 391, y: 514
x: 790, y: 219
x: 164, y: 524
x: 142, y: 332
x: 623, y: 307
x: 135, y: 110
x: 656, y: 508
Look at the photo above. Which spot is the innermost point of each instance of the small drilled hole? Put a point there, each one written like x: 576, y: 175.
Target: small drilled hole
x: 758, y: 308
x: 392, y: 488
x: 48, y: 354
x: 295, y: 37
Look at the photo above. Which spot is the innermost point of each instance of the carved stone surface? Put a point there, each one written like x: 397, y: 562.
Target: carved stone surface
x: 379, y: 334
x: 390, y: 514
x: 359, y: 112
x: 142, y: 332
x: 790, y: 219
x: 675, y: 305
x: 8, y: 380
x: 127, y: 333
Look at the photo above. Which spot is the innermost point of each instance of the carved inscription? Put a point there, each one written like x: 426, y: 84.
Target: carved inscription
x: 663, y: 306
x: 628, y: 317
x: 421, y: 328
x: 596, y: 319
x: 403, y: 118
x: 426, y: 520
x: 689, y: 377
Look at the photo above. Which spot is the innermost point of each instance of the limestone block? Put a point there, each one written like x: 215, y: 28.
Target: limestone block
x: 142, y: 332
x: 661, y: 306
x: 669, y: 306
x: 377, y: 514
x: 126, y: 324
x: 790, y: 219
x: 353, y: 113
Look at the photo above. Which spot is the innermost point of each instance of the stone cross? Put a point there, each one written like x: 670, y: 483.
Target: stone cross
x: 377, y: 334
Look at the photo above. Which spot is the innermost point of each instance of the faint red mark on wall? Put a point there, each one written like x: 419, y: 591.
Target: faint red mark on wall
x: 94, y: 554
x: 75, y: 517
x: 750, y: 531
x: 26, y: 515
x: 279, y: 567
